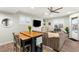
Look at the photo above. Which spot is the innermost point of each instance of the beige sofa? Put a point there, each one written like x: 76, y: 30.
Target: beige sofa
x: 55, y: 40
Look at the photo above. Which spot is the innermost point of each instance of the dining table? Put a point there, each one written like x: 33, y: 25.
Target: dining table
x: 30, y: 36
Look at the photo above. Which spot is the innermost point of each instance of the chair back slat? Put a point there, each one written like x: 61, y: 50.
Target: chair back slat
x: 14, y: 39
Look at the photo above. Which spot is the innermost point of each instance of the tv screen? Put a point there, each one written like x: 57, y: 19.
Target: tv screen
x: 36, y: 23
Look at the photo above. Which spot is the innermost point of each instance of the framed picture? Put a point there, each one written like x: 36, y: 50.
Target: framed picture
x: 6, y: 22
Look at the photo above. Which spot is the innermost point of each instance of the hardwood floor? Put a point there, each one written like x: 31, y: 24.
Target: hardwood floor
x: 69, y: 46
x: 7, y: 48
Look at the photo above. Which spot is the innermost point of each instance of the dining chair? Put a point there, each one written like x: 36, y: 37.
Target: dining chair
x: 21, y: 46
x: 14, y: 42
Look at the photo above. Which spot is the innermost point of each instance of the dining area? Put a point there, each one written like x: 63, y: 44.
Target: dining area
x: 27, y: 41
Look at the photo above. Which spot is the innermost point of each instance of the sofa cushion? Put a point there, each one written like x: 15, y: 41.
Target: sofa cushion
x: 50, y: 34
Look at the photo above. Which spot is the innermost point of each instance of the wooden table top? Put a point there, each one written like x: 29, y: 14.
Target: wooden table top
x: 32, y: 34
x: 28, y: 35
x: 23, y: 37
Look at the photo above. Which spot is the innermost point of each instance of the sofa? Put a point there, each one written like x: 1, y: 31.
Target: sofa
x: 55, y: 40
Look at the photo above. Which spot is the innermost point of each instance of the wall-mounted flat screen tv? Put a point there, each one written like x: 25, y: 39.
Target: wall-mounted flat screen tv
x: 36, y: 23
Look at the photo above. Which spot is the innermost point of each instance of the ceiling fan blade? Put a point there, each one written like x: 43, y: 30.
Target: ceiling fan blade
x: 50, y: 9
x: 58, y: 8
x: 56, y: 12
x: 53, y: 12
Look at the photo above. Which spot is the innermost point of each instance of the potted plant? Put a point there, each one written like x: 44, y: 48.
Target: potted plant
x: 67, y: 30
x: 29, y: 28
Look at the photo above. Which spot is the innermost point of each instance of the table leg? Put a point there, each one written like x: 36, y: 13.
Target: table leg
x: 33, y: 44
x: 41, y: 47
x: 23, y: 42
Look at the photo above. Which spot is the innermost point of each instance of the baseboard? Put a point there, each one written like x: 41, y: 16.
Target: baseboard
x: 3, y: 43
x: 73, y: 39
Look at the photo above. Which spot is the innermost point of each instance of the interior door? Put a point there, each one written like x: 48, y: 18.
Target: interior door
x: 74, y: 28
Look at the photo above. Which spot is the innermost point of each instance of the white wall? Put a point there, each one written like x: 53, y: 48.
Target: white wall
x: 59, y: 20
x: 30, y: 21
x: 6, y: 33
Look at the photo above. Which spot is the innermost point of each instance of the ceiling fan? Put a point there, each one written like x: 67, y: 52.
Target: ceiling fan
x: 54, y: 10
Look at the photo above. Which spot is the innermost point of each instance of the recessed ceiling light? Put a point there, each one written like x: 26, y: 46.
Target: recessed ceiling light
x: 46, y: 13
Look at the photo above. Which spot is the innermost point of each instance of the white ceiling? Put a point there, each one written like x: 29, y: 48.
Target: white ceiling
x: 40, y: 11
